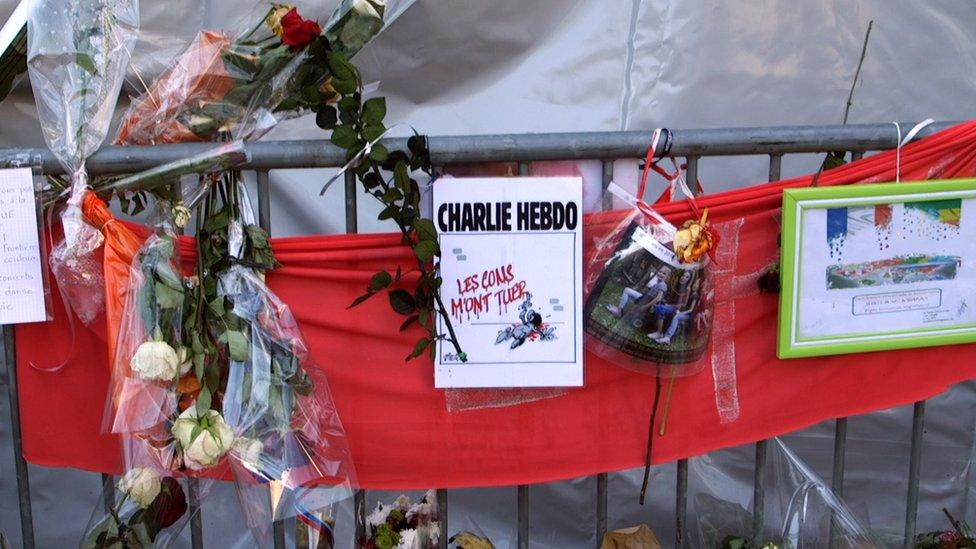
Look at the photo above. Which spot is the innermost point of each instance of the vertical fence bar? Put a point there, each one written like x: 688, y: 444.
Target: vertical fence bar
x: 352, y: 226
x: 352, y: 220
x: 108, y: 493
x: 837, y: 478
x: 602, y: 480
x: 360, y: 512
x: 523, y: 490
x: 759, y: 480
x: 264, y: 221
x: 601, y: 507
x: 759, y: 493
x: 442, y: 511
x: 681, y: 504
x: 20, y: 465
x: 196, y: 514
x: 681, y: 482
x: 914, y: 467
x: 855, y: 156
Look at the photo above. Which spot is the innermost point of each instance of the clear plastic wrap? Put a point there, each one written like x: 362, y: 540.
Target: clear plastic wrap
x: 800, y: 508
x: 244, y: 81
x: 645, y: 307
x: 77, y: 56
x: 149, y: 509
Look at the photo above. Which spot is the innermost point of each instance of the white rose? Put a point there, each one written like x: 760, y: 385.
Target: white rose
x: 248, y: 451
x: 185, y: 358
x: 213, y: 438
x: 142, y: 485
x: 155, y: 360
x: 377, y: 517
x: 434, y: 532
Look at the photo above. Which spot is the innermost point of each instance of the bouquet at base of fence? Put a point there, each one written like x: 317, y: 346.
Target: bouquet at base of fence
x: 243, y: 85
x: 404, y: 524
x: 959, y: 537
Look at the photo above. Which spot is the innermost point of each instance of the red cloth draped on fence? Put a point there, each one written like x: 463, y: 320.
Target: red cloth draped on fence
x: 401, y: 434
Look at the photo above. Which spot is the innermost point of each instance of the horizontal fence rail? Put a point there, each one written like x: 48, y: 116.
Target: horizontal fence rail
x: 270, y: 155
x: 693, y: 145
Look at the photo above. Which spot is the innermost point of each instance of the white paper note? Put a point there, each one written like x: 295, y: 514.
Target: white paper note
x: 21, y: 278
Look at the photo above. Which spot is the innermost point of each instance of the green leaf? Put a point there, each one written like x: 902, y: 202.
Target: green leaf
x: 380, y: 281
x: 238, y: 345
x: 400, y: 175
x: 425, y: 250
x: 86, y: 62
x: 326, y: 118
x: 345, y: 87
x: 341, y: 68
x: 392, y: 195
x: 388, y: 213
x: 406, y: 323
x: 349, y: 104
x: 419, y: 347
x: 402, y: 302
x: 417, y: 145
x: 372, y: 132
x: 168, y: 298
x: 360, y: 299
x: 345, y: 136
x: 835, y: 159
x: 379, y: 153
x: 203, y: 402
x: 374, y: 110
x: 426, y: 230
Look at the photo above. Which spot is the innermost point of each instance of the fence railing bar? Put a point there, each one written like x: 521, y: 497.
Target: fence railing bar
x: 759, y: 493
x: 691, y: 175
x: 20, y: 465
x: 607, y: 179
x: 523, y: 516
x: 857, y: 155
x: 601, y: 507
x: 352, y: 219
x: 681, y: 504
x: 914, y: 468
x: 360, y: 512
x: 108, y: 493
x: 264, y: 221
x: 837, y: 478
x: 443, y: 513
x: 196, y: 513
x: 775, y: 167
x: 268, y: 155
x: 523, y: 490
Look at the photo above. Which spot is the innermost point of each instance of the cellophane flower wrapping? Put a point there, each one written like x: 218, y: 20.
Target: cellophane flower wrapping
x: 154, y: 405
x: 800, y: 510
x: 644, y: 309
x: 78, y: 52
x: 243, y: 81
x: 291, y: 458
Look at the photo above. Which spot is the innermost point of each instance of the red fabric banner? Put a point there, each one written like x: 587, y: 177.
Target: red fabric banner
x: 402, y: 435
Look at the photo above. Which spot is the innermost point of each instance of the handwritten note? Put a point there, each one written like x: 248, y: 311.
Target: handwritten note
x: 21, y: 278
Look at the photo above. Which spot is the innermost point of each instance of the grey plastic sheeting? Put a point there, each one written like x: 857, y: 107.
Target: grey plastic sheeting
x: 473, y: 66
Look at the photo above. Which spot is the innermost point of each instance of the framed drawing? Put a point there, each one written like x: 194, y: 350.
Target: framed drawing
x: 877, y: 267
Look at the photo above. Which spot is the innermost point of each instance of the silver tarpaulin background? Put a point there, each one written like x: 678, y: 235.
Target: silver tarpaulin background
x: 509, y: 66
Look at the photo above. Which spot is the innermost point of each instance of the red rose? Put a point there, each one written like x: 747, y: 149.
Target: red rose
x: 297, y: 32
x: 169, y: 505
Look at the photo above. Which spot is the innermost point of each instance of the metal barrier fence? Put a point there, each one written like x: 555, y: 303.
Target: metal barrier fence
x: 773, y: 142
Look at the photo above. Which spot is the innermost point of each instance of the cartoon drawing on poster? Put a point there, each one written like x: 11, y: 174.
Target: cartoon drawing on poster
x: 511, y: 264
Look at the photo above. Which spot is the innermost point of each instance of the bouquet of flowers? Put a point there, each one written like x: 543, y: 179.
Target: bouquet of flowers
x: 76, y: 60
x: 244, y: 85
x: 961, y: 536
x: 403, y: 524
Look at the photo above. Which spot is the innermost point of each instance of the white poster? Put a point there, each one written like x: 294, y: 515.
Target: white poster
x: 512, y: 266
x: 21, y: 278
x: 890, y: 267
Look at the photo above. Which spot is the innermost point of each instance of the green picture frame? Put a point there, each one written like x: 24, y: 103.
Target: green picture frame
x: 880, y: 291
